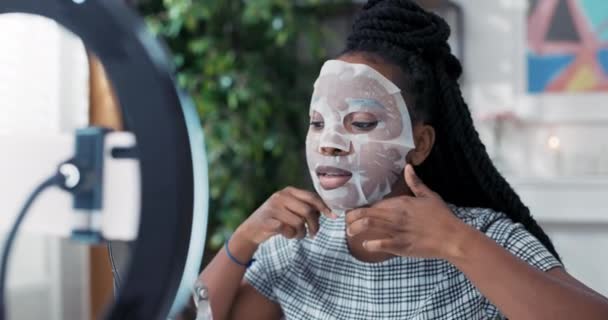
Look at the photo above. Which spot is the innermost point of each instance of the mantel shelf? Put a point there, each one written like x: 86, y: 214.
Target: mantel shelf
x: 577, y: 200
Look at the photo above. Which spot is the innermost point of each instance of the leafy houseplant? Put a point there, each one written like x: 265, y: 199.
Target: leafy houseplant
x: 249, y: 65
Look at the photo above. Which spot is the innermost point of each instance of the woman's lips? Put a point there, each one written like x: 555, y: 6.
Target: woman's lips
x: 332, y: 177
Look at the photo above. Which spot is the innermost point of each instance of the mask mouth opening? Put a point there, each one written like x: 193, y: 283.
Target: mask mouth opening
x: 332, y: 177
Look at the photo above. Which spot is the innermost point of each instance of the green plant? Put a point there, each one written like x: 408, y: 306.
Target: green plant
x: 249, y: 65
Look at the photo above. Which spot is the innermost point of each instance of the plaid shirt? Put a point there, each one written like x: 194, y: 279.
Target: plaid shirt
x: 319, y: 279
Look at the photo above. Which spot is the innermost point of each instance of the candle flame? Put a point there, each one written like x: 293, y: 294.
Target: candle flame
x: 554, y: 143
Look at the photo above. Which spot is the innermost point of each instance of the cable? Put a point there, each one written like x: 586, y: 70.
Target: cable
x: 114, y: 269
x: 81, y: 176
x: 56, y: 180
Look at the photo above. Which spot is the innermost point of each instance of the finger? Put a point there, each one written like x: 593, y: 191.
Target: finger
x: 292, y: 220
x: 275, y: 226
x: 393, y: 203
x: 393, y: 246
x: 372, y: 225
x: 287, y: 231
x: 272, y: 225
x: 306, y: 212
x: 282, y: 228
x: 312, y: 199
x: 391, y: 216
x: 413, y: 181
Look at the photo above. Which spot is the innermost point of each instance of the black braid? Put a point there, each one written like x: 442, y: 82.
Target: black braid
x: 458, y: 167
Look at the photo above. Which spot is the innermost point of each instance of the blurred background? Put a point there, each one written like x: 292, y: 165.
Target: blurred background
x: 535, y: 77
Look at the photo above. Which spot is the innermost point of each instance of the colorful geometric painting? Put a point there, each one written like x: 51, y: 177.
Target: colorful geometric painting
x: 567, y: 46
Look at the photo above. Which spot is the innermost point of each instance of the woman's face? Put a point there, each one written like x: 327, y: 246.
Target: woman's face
x: 360, y: 132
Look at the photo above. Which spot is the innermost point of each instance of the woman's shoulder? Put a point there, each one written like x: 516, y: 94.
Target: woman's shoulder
x: 278, y: 253
x: 277, y: 248
x: 479, y: 218
x: 511, y: 235
x: 272, y: 261
x: 495, y: 224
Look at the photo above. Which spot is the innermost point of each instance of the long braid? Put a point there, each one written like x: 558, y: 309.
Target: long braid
x: 458, y: 167
x: 498, y: 189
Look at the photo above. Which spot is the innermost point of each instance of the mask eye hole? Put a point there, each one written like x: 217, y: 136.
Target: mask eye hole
x: 316, y: 121
x: 360, y: 122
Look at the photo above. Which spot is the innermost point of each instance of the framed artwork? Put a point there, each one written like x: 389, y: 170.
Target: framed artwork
x: 567, y: 46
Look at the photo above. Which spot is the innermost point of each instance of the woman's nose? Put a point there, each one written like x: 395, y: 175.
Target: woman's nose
x: 330, y: 151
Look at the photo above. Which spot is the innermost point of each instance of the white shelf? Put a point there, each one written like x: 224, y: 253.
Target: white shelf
x: 579, y: 200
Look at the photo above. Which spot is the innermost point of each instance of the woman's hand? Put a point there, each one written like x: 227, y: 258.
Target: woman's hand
x: 287, y: 212
x: 419, y: 226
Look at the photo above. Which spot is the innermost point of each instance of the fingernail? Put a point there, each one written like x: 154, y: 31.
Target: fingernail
x: 348, y: 232
x: 365, y: 244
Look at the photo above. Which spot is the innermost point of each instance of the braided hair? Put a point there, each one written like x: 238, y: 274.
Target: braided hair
x: 458, y: 167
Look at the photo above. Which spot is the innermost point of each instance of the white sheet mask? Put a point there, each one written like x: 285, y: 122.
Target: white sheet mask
x: 345, y: 96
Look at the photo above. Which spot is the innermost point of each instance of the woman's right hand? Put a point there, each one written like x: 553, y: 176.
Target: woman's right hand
x: 287, y: 212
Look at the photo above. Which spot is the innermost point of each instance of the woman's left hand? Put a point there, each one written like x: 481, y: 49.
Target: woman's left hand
x: 420, y: 226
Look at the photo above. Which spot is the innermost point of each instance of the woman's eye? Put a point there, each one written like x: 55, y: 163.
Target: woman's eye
x: 317, y: 124
x: 364, y: 125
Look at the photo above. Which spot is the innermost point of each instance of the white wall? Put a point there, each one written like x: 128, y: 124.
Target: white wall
x: 495, y: 80
x: 566, y: 191
x: 43, y: 89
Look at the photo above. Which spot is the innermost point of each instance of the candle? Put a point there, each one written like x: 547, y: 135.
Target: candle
x: 554, y: 145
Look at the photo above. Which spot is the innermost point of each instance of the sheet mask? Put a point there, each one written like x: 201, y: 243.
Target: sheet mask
x: 376, y: 158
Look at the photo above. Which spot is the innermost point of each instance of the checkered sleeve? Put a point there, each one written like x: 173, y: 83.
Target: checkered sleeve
x: 272, y: 260
x: 516, y: 239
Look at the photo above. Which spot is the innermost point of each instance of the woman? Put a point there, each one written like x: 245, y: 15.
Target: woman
x: 451, y: 242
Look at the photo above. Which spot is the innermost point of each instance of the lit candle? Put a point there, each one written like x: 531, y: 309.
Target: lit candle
x: 554, y: 144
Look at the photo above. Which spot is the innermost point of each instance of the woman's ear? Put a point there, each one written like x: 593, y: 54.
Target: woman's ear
x: 424, y: 138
